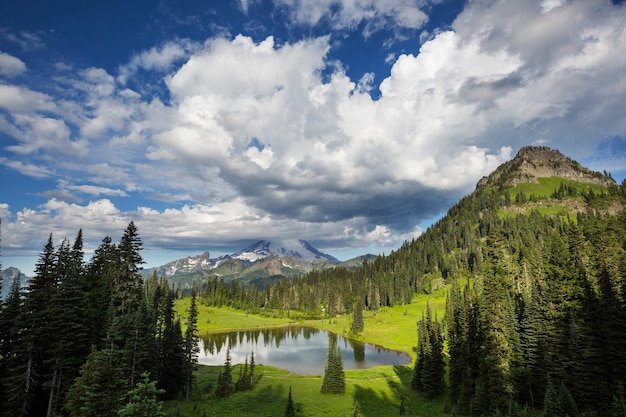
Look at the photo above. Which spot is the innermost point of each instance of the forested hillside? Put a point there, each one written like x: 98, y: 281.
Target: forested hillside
x: 543, y: 323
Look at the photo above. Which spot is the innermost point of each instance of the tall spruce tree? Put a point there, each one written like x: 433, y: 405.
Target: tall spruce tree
x: 225, y: 379
x: 357, y: 317
x: 334, y: 381
x: 191, y: 344
x: 429, y: 370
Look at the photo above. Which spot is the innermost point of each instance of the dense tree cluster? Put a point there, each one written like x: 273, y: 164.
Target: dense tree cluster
x: 429, y: 369
x: 544, y: 321
x: 89, y: 338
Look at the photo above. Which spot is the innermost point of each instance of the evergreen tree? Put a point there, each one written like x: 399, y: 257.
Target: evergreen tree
x: 26, y: 368
x: 69, y: 322
x: 171, y: 366
x: 334, y: 381
x: 127, y: 293
x: 357, y: 317
x: 244, y: 383
x: 191, y: 345
x: 225, y: 379
x: 143, y: 400
x: 357, y: 409
x: 429, y: 369
x: 9, y: 336
x: 101, y: 388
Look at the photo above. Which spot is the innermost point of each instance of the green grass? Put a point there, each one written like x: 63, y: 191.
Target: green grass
x: 378, y: 390
x: 546, y: 186
x: 222, y: 319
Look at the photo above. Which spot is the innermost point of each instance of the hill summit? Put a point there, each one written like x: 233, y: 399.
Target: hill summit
x: 534, y: 162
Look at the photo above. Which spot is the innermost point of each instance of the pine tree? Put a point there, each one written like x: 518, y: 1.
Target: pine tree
x: 26, y: 368
x: 171, y: 361
x: 334, y: 381
x: 143, y: 400
x: 100, y: 389
x: 357, y: 317
x: 429, y: 367
x: 191, y: 345
x: 128, y: 282
x: 69, y: 321
x: 224, y: 381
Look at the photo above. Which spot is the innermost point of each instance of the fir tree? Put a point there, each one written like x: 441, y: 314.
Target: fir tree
x: 429, y: 367
x: 224, y: 381
x: 334, y: 381
x: 191, y: 345
x: 143, y: 400
x: 357, y: 317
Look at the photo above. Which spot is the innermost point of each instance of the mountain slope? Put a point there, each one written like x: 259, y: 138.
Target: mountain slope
x: 8, y: 276
x: 257, y: 262
x: 283, y: 248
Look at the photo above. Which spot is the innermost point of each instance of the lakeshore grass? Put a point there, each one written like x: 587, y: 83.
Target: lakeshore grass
x: 378, y: 390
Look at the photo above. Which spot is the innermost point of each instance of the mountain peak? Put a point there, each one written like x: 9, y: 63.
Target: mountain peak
x: 297, y: 248
x: 533, y: 162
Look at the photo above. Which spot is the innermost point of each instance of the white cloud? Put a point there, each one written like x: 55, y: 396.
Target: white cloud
x: 155, y: 59
x: 344, y: 14
x: 266, y: 138
x: 48, y: 134
x: 20, y: 99
x: 11, y: 66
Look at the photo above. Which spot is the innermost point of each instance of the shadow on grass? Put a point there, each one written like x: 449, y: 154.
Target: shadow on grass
x: 412, y: 402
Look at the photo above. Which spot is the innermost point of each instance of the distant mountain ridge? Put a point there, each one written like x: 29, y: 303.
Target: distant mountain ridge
x: 262, y: 260
x: 8, y: 277
x: 283, y: 248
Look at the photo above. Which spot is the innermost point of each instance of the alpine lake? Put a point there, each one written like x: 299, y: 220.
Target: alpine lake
x: 299, y: 350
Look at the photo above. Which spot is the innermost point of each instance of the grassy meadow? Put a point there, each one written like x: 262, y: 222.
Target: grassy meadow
x: 379, y: 390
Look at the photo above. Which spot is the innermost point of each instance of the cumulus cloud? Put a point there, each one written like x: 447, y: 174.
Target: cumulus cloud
x: 343, y: 14
x: 11, y: 66
x: 256, y: 138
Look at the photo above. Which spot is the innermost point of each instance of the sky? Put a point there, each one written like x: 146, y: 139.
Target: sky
x: 352, y: 124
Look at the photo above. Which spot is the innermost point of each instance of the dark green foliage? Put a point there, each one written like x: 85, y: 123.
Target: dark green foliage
x: 72, y: 308
x: 225, y: 379
x: 334, y: 381
x: 429, y: 369
x: 143, y: 400
x: 191, y: 347
x: 357, y: 317
x: 246, y: 376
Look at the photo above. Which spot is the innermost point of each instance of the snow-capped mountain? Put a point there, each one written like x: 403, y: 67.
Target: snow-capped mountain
x: 187, y: 265
x: 263, y: 260
x: 297, y: 248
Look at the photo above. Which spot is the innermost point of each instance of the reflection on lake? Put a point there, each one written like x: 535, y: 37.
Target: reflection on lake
x: 299, y: 350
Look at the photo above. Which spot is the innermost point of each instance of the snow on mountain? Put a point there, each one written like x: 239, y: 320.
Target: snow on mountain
x: 189, y: 264
x: 282, y: 248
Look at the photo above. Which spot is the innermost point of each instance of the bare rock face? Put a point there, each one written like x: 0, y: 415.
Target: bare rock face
x: 533, y: 162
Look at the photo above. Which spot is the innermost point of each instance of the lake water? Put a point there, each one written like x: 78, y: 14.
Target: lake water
x: 299, y: 350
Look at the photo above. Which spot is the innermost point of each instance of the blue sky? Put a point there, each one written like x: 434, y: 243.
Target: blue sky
x: 352, y: 124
